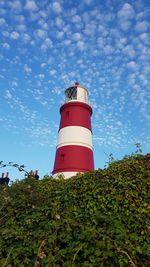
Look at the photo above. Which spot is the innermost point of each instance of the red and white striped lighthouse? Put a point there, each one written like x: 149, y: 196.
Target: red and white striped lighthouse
x: 74, y: 151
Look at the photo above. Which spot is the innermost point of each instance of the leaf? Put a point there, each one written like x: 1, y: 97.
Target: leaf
x: 22, y: 166
x: 15, y: 165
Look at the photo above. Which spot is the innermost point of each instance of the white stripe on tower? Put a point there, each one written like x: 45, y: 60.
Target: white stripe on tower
x: 75, y: 135
x: 65, y: 174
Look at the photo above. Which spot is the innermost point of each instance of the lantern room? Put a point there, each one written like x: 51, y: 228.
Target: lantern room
x: 76, y: 93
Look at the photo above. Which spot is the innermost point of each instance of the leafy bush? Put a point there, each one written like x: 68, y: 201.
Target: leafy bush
x: 99, y: 218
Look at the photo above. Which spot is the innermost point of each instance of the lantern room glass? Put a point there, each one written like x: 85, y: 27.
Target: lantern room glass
x: 71, y: 93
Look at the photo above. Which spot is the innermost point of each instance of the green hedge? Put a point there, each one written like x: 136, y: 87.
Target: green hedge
x: 97, y: 219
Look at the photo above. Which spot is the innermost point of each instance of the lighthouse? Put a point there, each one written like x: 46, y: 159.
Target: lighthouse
x: 74, y: 150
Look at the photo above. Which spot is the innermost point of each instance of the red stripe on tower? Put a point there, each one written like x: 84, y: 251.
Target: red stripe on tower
x: 74, y: 152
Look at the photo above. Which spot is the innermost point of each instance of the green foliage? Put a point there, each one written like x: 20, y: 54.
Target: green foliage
x: 99, y: 218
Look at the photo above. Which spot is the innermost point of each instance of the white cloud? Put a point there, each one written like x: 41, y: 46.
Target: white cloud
x: 30, y: 5
x: 26, y: 37
x: 126, y: 12
x: 60, y: 34
x: 121, y: 43
x: 5, y: 33
x: 145, y: 37
x: 2, y: 3
x: 19, y: 18
x: 125, y: 16
x: 67, y: 29
x: 14, y: 35
x: 132, y: 65
x: 67, y: 42
x: 41, y: 76
x: 21, y: 28
x: 43, y: 14
x: 88, y: 2
x: 47, y: 44
x: 108, y: 49
x: 56, y: 7
x: 76, y: 19
x: 59, y: 22
x: 81, y: 45
x: 2, y: 21
x: 40, y: 33
x: 90, y: 28
x: 52, y: 72
x: 27, y: 69
x: 16, y: 5
x: 43, y: 64
x: 129, y: 51
x: 57, y: 90
x: 139, y: 15
x: 76, y: 36
x: 101, y: 42
x: 102, y: 30
x: 8, y: 94
x: 43, y: 24
x: 125, y: 25
x: 14, y: 83
x: 6, y: 45
x: 141, y: 26
x: 143, y: 79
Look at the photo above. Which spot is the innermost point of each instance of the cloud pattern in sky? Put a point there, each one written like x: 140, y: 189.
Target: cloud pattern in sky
x: 46, y: 46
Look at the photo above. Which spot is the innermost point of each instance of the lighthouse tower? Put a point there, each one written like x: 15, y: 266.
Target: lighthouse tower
x: 74, y: 151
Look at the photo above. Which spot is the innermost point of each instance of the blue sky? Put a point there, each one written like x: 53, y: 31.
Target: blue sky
x: 45, y: 46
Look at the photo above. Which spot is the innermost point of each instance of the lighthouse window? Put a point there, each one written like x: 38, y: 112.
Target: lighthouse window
x: 71, y: 93
x: 67, y: 113
x: 62, y: 156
